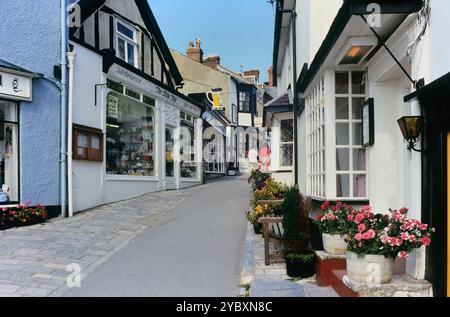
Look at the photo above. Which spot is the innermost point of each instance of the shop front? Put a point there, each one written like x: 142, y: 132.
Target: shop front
x: 15, y: 87
x: 140, y: 137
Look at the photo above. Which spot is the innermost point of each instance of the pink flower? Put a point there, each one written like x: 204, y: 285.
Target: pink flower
x: 367, y: 209
x: 426, y: 241
x: 405, y: 236
x: 396, y: 216
x: 369, y: 235
x: 423, y: 227
x: 384, y: 239
x: 403, y: 254
x: 350, y: 218
x: 362, y: 227
x: 359, y: 237
x: 359, y: 218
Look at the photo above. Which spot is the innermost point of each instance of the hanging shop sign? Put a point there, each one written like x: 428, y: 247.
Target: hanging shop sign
x: 15, y: 87
x: 215, y: 99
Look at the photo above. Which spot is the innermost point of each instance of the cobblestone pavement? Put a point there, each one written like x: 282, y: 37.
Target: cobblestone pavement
x: 34, y: 260
x: 272, y: 281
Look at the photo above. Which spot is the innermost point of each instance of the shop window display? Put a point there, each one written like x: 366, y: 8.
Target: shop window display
x: 130, y: 137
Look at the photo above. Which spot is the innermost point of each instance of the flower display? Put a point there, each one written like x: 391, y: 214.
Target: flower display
x: 392, y: 235
x: 22, y: 215
x: 335, y: 219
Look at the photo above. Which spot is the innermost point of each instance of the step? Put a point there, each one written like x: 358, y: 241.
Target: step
x: 326, y: 263
x: 339, y: 286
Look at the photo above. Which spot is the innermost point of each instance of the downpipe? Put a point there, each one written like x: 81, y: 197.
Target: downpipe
x: 70, y: 58
x: 63, y: 111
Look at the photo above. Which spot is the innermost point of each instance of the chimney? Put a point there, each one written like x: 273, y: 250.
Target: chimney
x: 195, y: 52
x: 271, y: 76
x: 212, y: 61
x: 252, y: 73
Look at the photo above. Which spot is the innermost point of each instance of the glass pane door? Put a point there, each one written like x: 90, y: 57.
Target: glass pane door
x: 170, y: 166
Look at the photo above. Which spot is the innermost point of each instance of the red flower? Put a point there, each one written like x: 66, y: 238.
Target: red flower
x: 319, y: 217
x: 325, y: 205
x: 403, y: 211
x: 403, y: 254
x: 426, y: 241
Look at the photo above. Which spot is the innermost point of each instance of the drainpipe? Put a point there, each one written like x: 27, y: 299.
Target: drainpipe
x: 63, y: 110
x: 70, y: 58
x: 294, y: 83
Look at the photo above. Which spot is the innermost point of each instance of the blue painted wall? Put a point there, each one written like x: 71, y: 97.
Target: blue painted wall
x: 30, y: 38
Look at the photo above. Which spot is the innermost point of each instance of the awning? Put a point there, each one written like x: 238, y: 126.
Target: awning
x: 394, y: 12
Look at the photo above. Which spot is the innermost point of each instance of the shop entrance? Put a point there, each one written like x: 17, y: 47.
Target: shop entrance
x: 9, y: 153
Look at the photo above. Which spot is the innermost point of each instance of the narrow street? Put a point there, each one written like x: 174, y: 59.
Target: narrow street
x: 179, y: 243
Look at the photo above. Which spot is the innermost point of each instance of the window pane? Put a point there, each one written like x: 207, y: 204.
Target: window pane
x: 356, y: 108
x: 287, y: 131
x: 359, y: 185
x: 342, y: 159
x: 130, y: 139
x: 357, y: 133
x: 342, y: 109
x: 286, y: 155
x: 342, y: 86
x: 95, y: 142
x: 342, y: 134
x: 83, y: 145
x: 343, y: 185
x: 125, y: 31
x: 358, y: 87
x: 131, y: 50
x: 359, y: 160
x: 121, y: 48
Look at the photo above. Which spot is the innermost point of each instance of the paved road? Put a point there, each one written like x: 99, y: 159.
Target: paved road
x: 195, y: 249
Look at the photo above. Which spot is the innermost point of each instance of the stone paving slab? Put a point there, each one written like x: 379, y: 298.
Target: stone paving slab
x: 34, y: 259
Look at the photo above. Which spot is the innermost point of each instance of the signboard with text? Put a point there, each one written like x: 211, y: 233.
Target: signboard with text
x: 15, y: 87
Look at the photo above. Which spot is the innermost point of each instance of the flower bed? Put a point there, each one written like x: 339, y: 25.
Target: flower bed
x: 22, y: 215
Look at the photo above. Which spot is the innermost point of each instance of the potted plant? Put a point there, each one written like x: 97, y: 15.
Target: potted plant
x: 300, y: 259
x: 377, y: 240
x: 257, y: 179
x: 334, y: 226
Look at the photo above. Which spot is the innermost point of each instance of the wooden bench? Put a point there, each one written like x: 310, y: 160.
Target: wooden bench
x: 267, y: 221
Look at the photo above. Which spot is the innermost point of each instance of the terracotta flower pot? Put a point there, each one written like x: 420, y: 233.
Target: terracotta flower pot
x: 334, y: 244
x: 370, y: 269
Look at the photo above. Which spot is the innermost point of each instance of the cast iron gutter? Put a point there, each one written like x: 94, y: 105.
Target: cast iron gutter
x: 345, y: 13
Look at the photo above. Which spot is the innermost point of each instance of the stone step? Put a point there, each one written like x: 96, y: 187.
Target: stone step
x: 326, y: 263
x: 339, y: 286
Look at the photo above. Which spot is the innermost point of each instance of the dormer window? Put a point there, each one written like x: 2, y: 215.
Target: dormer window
x: 126, y: 42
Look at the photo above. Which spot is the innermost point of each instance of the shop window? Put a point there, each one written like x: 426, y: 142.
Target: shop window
x: 315, y: 114
x: 132, y: 94
x: 188, y: 164
x: 350, y: 154
x: 87, y: 143
x: 286, y: 143
x: 126, y: 42
x: 114, y: 86
x: 9, y: 153
x: 130, y: 137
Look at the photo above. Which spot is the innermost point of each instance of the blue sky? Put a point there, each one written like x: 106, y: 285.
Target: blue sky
x: 239, y: 31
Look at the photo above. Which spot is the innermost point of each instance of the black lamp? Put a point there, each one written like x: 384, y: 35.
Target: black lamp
x: 412, y: 128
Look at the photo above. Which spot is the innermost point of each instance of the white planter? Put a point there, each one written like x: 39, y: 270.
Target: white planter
x: 334, y: 244
x: 370, y: 269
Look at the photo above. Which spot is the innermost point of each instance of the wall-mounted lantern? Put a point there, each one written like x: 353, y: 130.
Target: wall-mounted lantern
x: 412, y: 128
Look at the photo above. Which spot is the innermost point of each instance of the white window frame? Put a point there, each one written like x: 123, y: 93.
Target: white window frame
x: 350, y: 121
x: 316, y: 141
x: 286, y: 143
x: 127, y: 40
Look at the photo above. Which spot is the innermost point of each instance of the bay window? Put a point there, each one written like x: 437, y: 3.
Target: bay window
x: 336, y: 159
